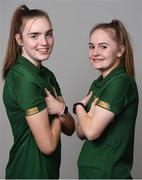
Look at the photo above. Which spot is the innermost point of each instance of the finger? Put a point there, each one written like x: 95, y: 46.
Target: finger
x: 55, y: 93
x: 47, y: 92
x: 92, y: 109
x: 87, y: 98
x: 93, y: 105
x: 90, y: 93
x: 95, y: 101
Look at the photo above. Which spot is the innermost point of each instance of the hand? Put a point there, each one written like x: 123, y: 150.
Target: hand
x: 86, y: 99
x: 53, y: 104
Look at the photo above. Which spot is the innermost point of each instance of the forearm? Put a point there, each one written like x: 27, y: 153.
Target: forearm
x: 68, y: 125
x: 57, y: 107
x: 45, y: 133
x: 84, y: 120
x: 55, y: 132
x: 80, y: 132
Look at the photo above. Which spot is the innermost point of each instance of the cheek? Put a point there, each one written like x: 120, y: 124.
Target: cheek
x: 89, y: 54
x: 110, y: 54
x: 113, y: 55
x: 51, y: 41
x: 29, y: 44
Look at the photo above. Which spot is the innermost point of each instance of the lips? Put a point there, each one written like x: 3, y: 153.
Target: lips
x: 97, y: 60
x: 43, y: 50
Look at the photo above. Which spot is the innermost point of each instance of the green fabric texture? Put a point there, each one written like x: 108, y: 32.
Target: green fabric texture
x: 111, y: 155
x: 23, y: 91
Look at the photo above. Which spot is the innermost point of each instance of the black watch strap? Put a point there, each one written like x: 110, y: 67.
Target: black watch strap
x: 76, y: 104
x: 65, y: 111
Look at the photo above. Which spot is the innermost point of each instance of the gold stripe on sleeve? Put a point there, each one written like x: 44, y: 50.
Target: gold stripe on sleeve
x: 104, y: 104
x: 32, y: 111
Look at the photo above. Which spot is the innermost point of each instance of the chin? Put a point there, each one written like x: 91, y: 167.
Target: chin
x: 96, y: 67
x: 43, y: 58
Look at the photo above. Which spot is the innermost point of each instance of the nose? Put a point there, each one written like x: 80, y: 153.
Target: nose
x: 43, y: 40
x: 95, y: 51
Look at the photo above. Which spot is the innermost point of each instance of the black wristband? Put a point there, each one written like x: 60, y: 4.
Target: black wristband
x: 76, y: 104
x: 65, y: 111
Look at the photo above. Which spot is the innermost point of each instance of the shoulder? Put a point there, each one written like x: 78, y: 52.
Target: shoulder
x: 121, y: 80
x: 19, y: 72
x: 120, y: 86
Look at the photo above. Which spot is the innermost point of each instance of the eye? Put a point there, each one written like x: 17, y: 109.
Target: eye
x: 34, y: 36
x: 91, y: 47
x: 103, y: 46
x: 49, y: 34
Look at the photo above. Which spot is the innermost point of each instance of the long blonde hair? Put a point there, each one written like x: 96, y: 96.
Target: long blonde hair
x: 20, y: 16
x: 119, y: 34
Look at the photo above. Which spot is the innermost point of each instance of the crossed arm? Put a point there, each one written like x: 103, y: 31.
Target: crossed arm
x: 47, y: 134
x: 56, y: 106
x: 92, y: 124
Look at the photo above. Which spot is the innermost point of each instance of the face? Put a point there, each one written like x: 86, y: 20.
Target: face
x: 104, y: 53
x: 37, y: 40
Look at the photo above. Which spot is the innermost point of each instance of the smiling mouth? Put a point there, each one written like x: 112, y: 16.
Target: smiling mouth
x: 97, y: 60
x: 45, y: 50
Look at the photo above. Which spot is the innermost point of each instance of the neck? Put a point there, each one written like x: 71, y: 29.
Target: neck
x: 36, y: 63
x: 105, y: 72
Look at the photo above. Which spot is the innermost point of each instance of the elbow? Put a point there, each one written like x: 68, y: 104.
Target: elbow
x: 68, y: 130
x: 92, y: 135
x: 47, y: 150
x: 71, y: 131
x: 81, y: 137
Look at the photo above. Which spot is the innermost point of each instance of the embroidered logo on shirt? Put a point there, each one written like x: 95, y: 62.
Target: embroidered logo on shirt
x: 104, y: 104
x: 32, y: 111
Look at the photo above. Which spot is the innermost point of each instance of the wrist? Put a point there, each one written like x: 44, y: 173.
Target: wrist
x: 64, y: 110
x: 75, y: 106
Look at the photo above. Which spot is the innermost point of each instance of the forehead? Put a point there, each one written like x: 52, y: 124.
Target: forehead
x: 101, y: 35
x: 37, y: 24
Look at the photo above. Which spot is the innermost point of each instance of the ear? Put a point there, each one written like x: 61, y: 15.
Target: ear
x: 121, y: 51
x: 19, y: 39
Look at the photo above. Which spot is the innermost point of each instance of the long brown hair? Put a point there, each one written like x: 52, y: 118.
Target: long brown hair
x: 119, y: 34
x: 20, y: 16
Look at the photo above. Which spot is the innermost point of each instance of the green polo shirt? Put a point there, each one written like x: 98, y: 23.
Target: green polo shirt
x: 23, y: 96
x: 111, y: 155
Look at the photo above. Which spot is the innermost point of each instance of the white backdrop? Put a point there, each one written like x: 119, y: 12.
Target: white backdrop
x: 72, y: 21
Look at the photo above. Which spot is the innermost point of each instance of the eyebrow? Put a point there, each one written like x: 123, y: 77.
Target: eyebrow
x: 102, y: 43
x: 49, y: 31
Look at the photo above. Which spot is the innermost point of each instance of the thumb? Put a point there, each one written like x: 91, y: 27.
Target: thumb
x: 55, y: 93
x: 95, y: 101
x: 90, y: 94
x: 87, y: 98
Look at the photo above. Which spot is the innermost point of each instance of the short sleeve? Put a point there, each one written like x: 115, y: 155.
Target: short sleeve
x: 30, y: 96
x: 114, y: 95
